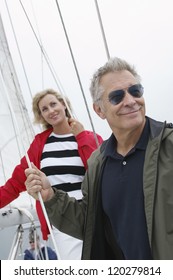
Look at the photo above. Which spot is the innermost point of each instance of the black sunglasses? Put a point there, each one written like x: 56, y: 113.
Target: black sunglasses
x: 116, y: 96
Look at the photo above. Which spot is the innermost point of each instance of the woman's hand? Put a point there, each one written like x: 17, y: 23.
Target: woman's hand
x: 37, y: 182
x: 76, y: 126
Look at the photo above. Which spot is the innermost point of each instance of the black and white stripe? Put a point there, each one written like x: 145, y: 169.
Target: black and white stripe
x: 62, y: 164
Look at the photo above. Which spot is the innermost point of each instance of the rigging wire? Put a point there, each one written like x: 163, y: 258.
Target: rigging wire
x: 102, y: 30
x: 2, y: 167
x: 51, y: 68
x: 3, y: 171
x: 18, y: 49
x: 16, y: 243
x: 77, y: 72
x: 74, y: 63
x: 16, y: 85
x: 53, y: 71
x: 42, y: 72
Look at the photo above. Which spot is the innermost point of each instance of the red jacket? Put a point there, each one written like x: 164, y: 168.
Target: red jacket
x: 15, y: 185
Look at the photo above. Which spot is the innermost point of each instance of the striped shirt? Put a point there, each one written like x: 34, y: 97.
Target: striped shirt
x: 62, y: 164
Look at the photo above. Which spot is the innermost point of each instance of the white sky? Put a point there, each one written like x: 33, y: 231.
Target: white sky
x: 138, y: 31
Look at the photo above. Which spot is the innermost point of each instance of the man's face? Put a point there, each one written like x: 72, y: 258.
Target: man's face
x: 128, y: 114
x: 34, y: 244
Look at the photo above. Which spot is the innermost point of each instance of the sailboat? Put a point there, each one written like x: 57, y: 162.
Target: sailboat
x: 11, y: 149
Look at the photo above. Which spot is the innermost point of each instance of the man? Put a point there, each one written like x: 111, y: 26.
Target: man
x: 38, y: 251
x: 127, y: 206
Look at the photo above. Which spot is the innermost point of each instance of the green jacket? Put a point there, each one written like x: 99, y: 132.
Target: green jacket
x: 78, y: 219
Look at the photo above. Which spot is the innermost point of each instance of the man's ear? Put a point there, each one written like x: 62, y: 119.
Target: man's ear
x: 99, y: 111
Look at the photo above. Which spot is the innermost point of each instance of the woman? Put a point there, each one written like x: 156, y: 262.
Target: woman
x: 61, y: 152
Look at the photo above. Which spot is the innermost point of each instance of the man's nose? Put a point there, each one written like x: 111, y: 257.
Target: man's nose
x: 128, y: 98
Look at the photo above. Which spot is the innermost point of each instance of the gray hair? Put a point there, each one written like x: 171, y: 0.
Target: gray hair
x: 112, y: 65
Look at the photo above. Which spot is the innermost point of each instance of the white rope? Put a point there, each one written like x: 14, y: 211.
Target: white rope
x: 46, y: 250
x: 29, y: 163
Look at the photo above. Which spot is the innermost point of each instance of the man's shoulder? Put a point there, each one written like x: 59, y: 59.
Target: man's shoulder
x: 98, y: 154
x: 158, y: 127
x: 28, y: 254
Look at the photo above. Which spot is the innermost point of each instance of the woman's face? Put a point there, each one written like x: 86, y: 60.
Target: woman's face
x: 52, y: 110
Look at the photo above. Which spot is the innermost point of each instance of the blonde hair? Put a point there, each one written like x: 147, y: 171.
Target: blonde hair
x: 35, y: 106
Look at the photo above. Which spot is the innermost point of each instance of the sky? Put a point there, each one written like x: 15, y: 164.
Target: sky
x: 137, y: 31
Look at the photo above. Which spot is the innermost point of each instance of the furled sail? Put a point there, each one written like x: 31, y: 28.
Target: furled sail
x: 11, y: 149
x: 16, y: 133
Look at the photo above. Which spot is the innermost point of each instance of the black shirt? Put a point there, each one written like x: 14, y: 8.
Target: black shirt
x: 123, y: 199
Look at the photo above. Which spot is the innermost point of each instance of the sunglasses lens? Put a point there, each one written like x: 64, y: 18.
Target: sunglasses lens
x: 136, y: 90
x: 116, y: 96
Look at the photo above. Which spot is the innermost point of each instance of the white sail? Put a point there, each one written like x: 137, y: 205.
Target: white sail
x: 10, y: 146
x: 16, y: 133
